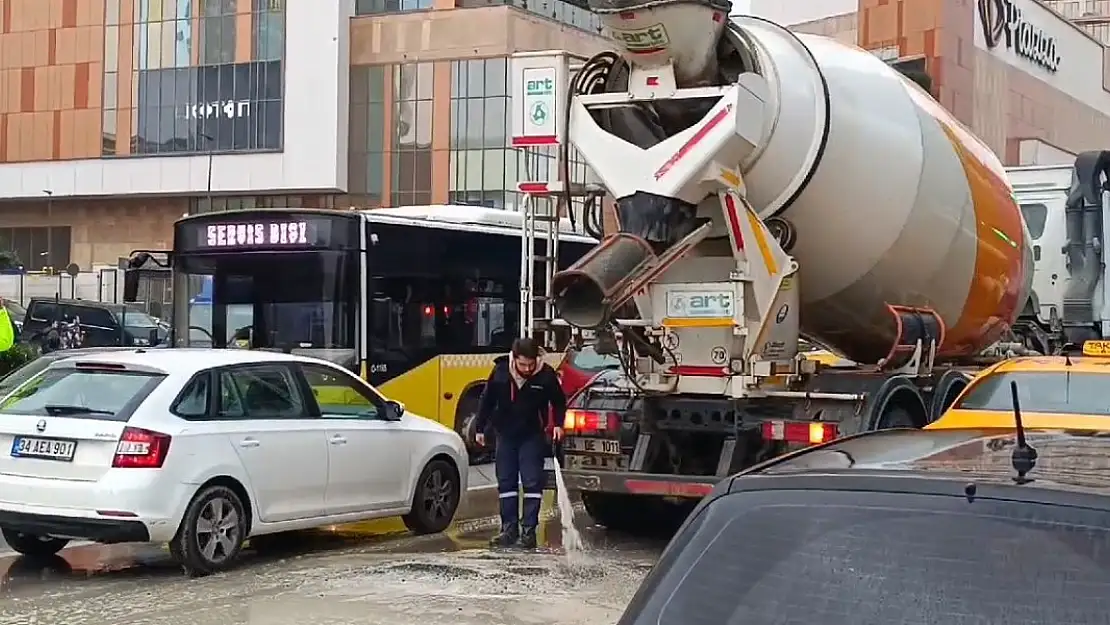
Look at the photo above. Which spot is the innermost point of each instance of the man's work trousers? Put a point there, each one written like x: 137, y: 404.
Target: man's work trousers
x: 523, y: 458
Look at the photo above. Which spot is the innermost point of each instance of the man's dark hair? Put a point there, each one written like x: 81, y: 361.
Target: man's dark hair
x: 525, y: 348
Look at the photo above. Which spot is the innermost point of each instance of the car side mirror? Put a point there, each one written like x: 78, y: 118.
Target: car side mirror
x: 394, y: 410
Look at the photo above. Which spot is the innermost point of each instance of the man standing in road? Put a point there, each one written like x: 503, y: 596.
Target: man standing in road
x: 521, y: 397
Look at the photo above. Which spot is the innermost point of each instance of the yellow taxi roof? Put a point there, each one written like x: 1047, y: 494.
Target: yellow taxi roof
x: 1004, y: 420
x: 1079, y: 364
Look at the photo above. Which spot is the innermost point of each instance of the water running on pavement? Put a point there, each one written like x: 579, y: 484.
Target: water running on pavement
x: 572, y: 539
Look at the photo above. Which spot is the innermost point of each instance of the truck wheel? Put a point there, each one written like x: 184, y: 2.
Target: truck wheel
x: 895, y: 417
x: 617, y: 512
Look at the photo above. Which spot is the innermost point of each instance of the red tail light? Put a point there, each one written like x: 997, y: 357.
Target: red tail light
x: 807, y: 433
x: 590, y: 422
x: 141, y: 449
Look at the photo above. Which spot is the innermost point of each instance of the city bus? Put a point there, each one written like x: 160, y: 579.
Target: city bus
x: 418, y: 300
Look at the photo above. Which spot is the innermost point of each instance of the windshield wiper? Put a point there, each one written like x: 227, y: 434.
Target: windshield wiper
x: 61, y: 410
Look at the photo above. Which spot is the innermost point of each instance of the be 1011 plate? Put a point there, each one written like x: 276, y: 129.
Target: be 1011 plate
x: 593, y: 445
x: 44, y: 448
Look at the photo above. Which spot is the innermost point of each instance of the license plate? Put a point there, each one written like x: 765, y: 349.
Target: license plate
x: 45, y: 448
x: 593, y: 446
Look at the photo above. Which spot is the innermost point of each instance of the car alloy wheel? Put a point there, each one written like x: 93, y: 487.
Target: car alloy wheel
x: 218, y: 530
x: 212, y: 531
x: 436, y: 499
x: 438, y: 495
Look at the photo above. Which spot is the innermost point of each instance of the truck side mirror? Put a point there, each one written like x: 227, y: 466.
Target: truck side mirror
x: 130, y: 285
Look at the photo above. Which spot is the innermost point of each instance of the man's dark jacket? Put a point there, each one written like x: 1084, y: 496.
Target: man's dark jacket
x: 521, y: 413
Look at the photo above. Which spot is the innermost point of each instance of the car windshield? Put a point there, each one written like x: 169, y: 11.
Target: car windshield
x: 1082, y: 393
x: 587, y: 359
x: 791, y: 557
x: 81, y: 393
x: 132, y: 318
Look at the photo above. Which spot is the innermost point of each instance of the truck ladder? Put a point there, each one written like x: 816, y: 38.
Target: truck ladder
x: 540, y: 253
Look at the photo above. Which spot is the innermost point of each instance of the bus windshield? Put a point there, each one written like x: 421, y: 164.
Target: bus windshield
x: 298, y: 300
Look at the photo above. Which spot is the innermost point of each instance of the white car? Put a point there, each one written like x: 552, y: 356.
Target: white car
x: 204, y: 448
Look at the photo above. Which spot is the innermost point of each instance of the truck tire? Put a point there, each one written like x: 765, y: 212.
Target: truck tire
x: 615, y: 511
x: 896, y: 417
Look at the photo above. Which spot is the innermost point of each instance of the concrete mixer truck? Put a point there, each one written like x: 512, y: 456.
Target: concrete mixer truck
x: 770, y: 187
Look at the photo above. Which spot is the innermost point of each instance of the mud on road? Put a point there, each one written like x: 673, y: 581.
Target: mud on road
x: 337, y: 579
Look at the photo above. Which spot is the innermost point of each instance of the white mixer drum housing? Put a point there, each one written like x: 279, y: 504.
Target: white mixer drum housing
x: 893, y: 200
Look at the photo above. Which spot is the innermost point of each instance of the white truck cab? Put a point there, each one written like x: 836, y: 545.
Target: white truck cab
x: 1066, y: 209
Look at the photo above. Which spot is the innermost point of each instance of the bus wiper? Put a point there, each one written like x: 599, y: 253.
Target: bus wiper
x: 1024, y: 456
x: 62, y: 410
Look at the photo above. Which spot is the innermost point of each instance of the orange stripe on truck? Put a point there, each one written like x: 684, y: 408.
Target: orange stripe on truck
x: 993, y: 299
x: 994, y: 296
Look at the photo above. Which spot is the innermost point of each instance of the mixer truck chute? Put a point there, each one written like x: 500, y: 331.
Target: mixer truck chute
x: 771, y: 186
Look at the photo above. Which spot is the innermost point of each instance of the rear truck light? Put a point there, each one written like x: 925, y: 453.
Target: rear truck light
x: 141, y: 449
x: 805, y: 432
x: 667, y: 488
x: 590, y: 422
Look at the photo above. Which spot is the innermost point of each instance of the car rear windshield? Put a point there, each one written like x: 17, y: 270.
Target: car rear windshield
x: 1042, y: 391
x: 588, y: 360
x: 82, y: 393
x: 24, y: 373
x: 851, y: 558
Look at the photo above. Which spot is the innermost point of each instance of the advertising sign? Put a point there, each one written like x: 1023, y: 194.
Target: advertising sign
x: 221, y: 108
x: 538, y: 84
x: 1004, y: 25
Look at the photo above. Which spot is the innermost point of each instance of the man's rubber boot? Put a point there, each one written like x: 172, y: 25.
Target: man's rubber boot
x: 528, y: 538
x: 507, y: 537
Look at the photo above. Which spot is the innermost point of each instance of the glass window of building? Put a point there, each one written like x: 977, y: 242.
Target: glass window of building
x: 194, y: 88
x: 371, y: 7
x: 484, y: 169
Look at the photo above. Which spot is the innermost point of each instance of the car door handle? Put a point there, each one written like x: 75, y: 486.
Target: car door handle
x: 249, y: 442
x: 338, y: 440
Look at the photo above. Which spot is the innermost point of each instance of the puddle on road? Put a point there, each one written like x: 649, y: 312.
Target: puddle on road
x: 149, y: 562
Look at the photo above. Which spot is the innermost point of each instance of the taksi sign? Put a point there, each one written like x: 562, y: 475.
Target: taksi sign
x: 1004, y: 25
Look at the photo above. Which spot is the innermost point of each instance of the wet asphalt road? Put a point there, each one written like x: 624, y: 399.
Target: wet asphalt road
x: 338, y: 576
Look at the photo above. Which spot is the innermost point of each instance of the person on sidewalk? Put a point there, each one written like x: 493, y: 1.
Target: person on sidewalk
x: 521, y: 398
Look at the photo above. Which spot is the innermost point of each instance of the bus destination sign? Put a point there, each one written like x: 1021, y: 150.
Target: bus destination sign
x: 270, y: 234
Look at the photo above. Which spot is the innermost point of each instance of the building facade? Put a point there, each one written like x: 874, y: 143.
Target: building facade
x: 119, y: 116
x: 1092, y: 16
x: 1033, y: 85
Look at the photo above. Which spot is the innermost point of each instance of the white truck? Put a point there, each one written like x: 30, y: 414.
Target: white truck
x: 1066, y: 209
x: 770, y: 187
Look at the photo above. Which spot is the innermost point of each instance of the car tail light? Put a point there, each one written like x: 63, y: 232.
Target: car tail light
x: 808, y: 433
x: 590, y: 422
x: 141, y: 449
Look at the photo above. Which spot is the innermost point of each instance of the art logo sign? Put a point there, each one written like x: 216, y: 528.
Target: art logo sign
x: 1004, y: 25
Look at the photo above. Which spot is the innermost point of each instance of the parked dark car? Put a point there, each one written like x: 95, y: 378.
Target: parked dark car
x: 899, y: 526
x: 102, y: 324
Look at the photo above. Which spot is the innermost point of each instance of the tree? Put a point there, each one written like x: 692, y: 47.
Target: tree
x: 9, y: 261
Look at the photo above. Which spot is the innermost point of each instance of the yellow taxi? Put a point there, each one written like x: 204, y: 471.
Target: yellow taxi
x: 1054, y: 392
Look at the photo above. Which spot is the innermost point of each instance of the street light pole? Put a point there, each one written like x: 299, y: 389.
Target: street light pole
x: 211, y: 153
x: 49, y: 227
